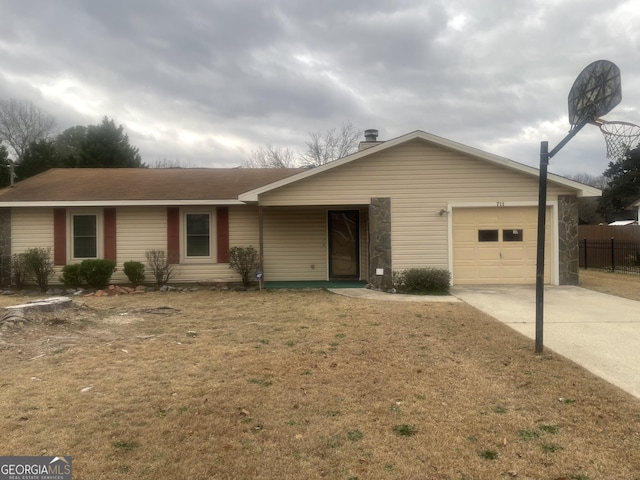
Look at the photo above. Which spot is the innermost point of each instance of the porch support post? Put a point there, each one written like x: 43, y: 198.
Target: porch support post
x: 5, y: 247
x: 380, y: 268
x: 261, y: 241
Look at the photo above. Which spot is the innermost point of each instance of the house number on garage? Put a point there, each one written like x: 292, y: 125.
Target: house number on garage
x: 500, y: 204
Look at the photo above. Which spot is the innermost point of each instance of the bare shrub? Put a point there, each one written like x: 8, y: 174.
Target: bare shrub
x: 39, y: 266
x: 244, y: 261
x: 19, y: 271
x: 161, y: 266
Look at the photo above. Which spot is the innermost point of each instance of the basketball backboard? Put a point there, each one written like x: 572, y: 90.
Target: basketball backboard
x: 596, y: 91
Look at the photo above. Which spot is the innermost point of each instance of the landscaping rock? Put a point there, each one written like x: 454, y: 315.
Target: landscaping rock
x: 43, y: 304
x: 55, y: 292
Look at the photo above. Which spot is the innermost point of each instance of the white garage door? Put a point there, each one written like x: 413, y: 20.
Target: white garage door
x: 497, y: 245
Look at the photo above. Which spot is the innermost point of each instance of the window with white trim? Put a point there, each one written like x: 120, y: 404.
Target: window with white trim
x: 84, y: 236
x: 198, y: 235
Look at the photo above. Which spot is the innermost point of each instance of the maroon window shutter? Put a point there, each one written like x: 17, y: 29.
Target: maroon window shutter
x: 110, y: 234
x: 173, y: 234
x: 222, y: 229
x: 59, y: 236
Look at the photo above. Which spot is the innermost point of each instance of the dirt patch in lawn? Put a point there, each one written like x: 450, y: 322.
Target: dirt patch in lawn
x: 303, y: 384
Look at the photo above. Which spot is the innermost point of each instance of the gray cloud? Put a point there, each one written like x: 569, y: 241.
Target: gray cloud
x: 208, y: 81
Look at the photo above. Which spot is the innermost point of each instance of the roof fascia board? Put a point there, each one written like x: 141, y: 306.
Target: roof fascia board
x: 120, y: 203
x: 583, y: 190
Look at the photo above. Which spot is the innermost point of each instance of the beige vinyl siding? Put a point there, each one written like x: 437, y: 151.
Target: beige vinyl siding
x: 243, y: 227
x: 31, y: 228
x: 421, y: 179
x: 145, y: 228
x: 243, y: 231
x: 416, y: 171
x: 295, y: 243
x: 139, y: 229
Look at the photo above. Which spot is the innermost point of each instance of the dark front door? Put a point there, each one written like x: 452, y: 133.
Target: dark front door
x: 344, y: 244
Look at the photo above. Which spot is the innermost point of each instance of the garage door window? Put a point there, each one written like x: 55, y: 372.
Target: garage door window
x: 487, y: 235
x: 512, y: 235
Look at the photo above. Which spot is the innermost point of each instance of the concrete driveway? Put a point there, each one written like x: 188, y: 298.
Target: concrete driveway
x: 599, y: 332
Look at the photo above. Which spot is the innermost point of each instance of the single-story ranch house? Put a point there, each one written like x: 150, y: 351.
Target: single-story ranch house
x: 415, y: 201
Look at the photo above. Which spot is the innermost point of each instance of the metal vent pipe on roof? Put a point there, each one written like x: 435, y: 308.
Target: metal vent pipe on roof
x: 371, y: 135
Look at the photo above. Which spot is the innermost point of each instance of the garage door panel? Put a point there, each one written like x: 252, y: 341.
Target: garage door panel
x: 519, y: 272
x: 488, y: 254
x: 467, y: 235
x: 467, y: 255
x: 487, y: 273
x: 511, y: 258
x: 517, y: 254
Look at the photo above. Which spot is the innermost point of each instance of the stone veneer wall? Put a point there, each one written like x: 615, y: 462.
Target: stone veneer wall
x: 380, y: 244
x: 5, y: 247
x: 568, y: 239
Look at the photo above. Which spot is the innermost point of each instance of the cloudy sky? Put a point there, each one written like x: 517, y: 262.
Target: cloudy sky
x: 205, y: 82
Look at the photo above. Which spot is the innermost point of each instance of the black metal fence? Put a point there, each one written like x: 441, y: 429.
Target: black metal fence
x: 614, y: 255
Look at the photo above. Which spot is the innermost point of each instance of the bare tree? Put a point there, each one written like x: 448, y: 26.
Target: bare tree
x: 323, y: 147
x: 270, y: 156
x: 588, y: 206
x: 22, y: 123
x: 165, y: 162
x: 597, y: 181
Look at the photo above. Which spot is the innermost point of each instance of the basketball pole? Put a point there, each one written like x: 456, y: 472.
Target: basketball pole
x: 545, y: 156
x: 542, y: 213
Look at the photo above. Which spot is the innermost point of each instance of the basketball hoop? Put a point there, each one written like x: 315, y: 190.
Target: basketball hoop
x: 595, y: 92
x: 620, y: 137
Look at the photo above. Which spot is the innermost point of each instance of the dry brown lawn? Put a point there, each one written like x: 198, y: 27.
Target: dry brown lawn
x: 303, y: 385
x: 621, y: 285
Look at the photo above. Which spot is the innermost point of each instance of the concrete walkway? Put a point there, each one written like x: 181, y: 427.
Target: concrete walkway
x: 599, y: 332
x: 392, y: 297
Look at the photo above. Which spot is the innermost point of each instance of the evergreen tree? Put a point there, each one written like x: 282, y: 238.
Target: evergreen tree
x: 624, y: 185
x: 39, y: 157
x: 107, y: 146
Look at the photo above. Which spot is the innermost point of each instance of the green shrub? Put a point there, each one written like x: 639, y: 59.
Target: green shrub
x: 244, y: 261
x: 19, y: 271
x: 39, y: 266
x: 71, y: 275
x: 134, y: 272
x: 97, y: 272
x: 161, y: 266
x: 429, y: 281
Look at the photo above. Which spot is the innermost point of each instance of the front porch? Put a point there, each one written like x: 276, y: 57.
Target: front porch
x: 326, y: 246
x: 295, y: 285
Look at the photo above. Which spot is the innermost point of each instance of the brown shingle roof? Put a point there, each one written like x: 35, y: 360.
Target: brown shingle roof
x: 141, y: 184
